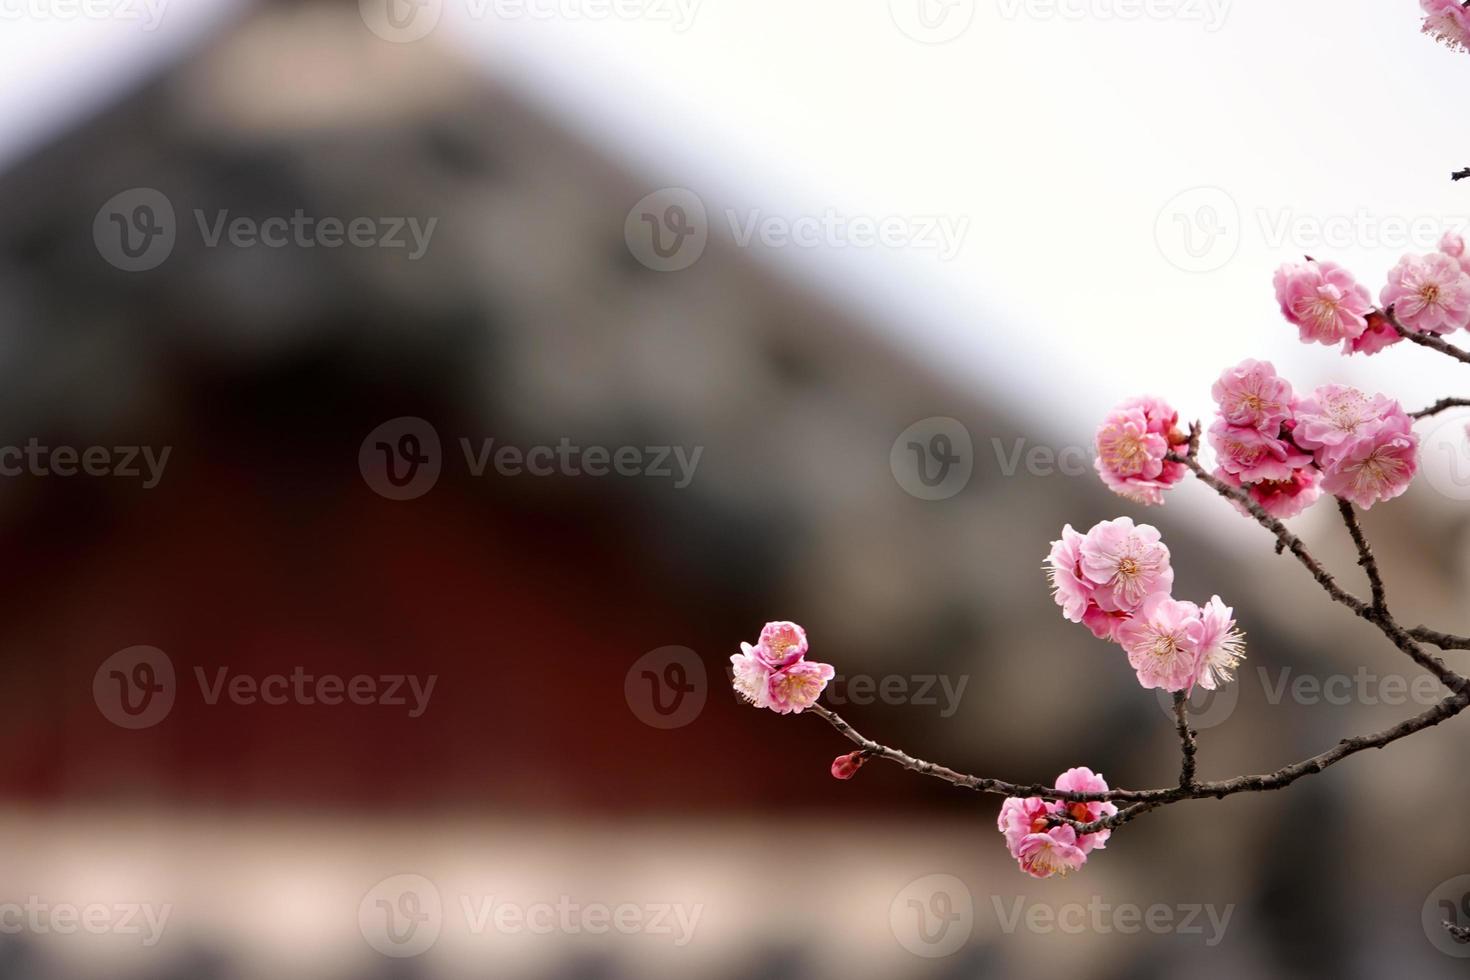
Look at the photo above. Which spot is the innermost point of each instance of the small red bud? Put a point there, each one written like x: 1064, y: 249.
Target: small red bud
x: 846, y: 766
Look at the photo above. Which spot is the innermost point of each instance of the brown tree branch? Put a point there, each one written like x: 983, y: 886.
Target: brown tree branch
x: 1187, y: 746
x: 1425, y: 339
x: 1365, y: 555
x: 1444, y: 404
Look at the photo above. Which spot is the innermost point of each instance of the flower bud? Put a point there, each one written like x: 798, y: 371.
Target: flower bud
x: 846, y: 766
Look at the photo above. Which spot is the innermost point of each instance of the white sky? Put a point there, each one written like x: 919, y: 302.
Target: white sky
x: 1061, y: 138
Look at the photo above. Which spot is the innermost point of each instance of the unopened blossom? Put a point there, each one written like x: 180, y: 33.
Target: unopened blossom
x: 1133, y: 444
x: 1083, y: 780
x: 774, y: 672
x: 1448, y: 22
x: 1253, y: 455
x: 1221, y: 645
x: 1429, y: 293
x: 846, y: 766
x: 1281, y: 499
x: 1127, y: 563
x: 1334, y: 414
x: 1379, y: 335
x: 1162, y: 640
x: 1252, y: 394
x: 1054, y: 853
x: 1323, y: 300
x: 1374, y: 466
x: 1453, y: 245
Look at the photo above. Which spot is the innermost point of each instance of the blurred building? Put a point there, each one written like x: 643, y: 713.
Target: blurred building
x: 533, y: 772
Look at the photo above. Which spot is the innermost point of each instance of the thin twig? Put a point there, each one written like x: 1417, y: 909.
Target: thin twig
x: 1425, y: 339
x: 1444, y: 404
x: 1187, y: 746
x: 1460, y: 174
x: 1365, y: 555
x: 1445, y: 641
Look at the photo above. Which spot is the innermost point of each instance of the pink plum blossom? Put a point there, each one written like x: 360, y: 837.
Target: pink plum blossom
x: 1282, y: 499
x: 1074, y: 592
x: 1429, y: 293
x: 1448, y: 22
x: 1133, y: 443
x: 775, y: 674
x: 1083, y: 780
x: 1251, y: 394
x: 1379, y: 335
x: 1221, y: 645
x: 1376, y: 465
x: 1021, y: 817
x: 1052, y: 853
x: 1252, y: 455
x: 1453, y: 245
x: 1323, y: 300
x: 1162, y: 640
x: 1334, y: 414
x: 1125, y: 563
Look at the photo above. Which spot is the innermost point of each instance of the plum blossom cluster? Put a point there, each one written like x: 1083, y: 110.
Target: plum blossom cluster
x: 1117, y: 581
x: 1428, y: 294
x: 775, y: 674
x: 1447, y: 21
x: 1043, y: 850
x: 1285, y: 450
x: 1133, y: 446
